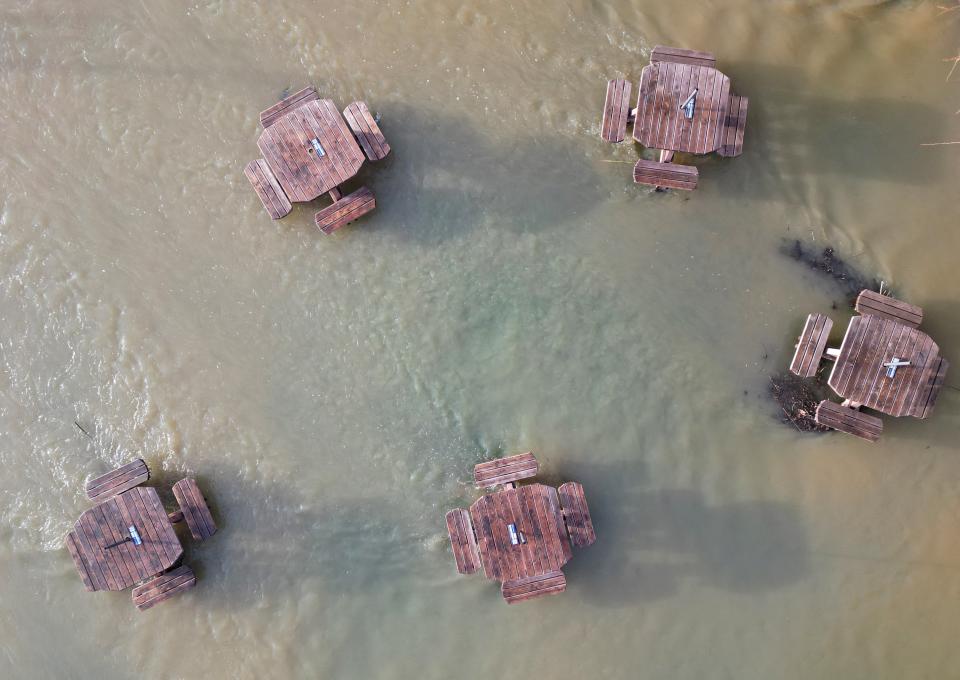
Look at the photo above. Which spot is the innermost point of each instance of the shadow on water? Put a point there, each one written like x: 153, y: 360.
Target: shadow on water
x: 444, y: 177
x: 649, y: 541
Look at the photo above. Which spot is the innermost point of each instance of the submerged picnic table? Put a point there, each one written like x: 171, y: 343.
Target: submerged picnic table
x: 520, y: 535
x: 884, y: 363
x: 128, y: 537
x: 309, y: 149
x: 684, y: 104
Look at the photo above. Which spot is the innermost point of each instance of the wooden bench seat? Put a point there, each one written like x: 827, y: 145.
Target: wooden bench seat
x: 194, y: 508
x: 505, y: 470
x: 463, y: 541
x: 849, y: 420
x: 927, y: 397
x: 875, y: 304
x: 811, y: 345
x: 269, y: 116
x: 533, y: 586
x: 731, y: 142
x: 345, y: 211
x: 616, y: 111
x: 576, y: 514
x: 669, y: 175
x: 118, y: 480
x: 271, y: 194
x: 163, y: 587
x: 679, y: 55
x: 365, y: 129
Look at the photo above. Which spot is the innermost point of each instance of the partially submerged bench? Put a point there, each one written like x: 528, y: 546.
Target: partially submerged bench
x: 576, y: 515
x: 463, y: 541
x: 344, y: 210
x: 876, y: 304
x: 666, y: 175
x: 811, y: 345
x: 118, y: 480
x: 193, y: 507
x: 164, y: 586
x: 849, y: 420
x: 505, y: 470
x: 533, y: 586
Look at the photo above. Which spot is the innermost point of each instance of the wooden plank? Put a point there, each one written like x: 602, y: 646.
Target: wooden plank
x: 522, y: 589
x: 811, y: 345
x: 367, y: 132
x: 163, y: 587
x: 93, y: 534
x: 884, y: 306
x: 345, y: 211
x: 682, y: 56
x: 83, y: 568
x: 576, y: 514
x: 504, y: 470
x: 670, y: 175
x: 118, y: 480
x: 849, y: 420
x: 89, y: 550
x: 462, y: 541
x: 111, y: 524
x: 269, y: 116
x: 194, y: 507
x: 164, y: 541
x: 150, y: 562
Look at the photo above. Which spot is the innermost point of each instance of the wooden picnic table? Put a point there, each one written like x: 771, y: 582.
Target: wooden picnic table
x: 308, y: 150
x: 684, y: 104
x: 520, y: 535
x: 884, y: 363
x: 127, y: 539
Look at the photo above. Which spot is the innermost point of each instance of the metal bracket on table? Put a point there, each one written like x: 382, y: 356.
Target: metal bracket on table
x: 893, y: 365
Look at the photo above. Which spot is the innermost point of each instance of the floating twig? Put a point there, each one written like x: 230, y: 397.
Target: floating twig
x: 80, y: 427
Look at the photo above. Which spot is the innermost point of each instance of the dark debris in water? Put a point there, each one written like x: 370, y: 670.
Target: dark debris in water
x: 798, y: 399
x: 850, y: 280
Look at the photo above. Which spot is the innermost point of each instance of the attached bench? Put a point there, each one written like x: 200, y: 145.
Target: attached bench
x: 505, y: 470
x: 576, y: 514
x: 731, y: 142
x: 533, y: 586
x: 463, y: 541
x: 269, y: 116
x: 811, y: 345
x: 927, y: 397
x: 849, y: 420
x: 669, y: 175
x: 616, y: 111
x: 345, y: 210
x: 265, y: 183
x: 117, y: 481
x: 194, y: 508
x: 681, y: 56
x: 875, y: 304
x: 163, y: 587
x: 365, y: 129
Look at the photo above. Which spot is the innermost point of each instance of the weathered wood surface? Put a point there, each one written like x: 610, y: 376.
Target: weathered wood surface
x: 533, y: 586
x: 366, y: 131
x: 122, y: 566
x: 859, y: 374
x: 535, y: 511
x: 345, y: 210
x: 163, y: 587
x: 268, y: 188
x: 668, y: 175
x: 849, y: 420
x: 616, y: 111
x: 679, y: 55
x: 661, y: 124
x: 875, y: 304
x: 194, y: 508
x: 463, y: 541
x: 810, y: 347
x: 118, y: 480
x: 731, y: 141
x: 505, y: 470
x: 302, y: 172
x: 269, y: 116
x: 576, y: 514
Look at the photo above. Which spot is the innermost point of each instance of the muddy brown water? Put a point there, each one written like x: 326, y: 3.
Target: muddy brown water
x: 514, y: 290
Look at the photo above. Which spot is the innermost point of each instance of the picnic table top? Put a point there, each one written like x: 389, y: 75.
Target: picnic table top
x: 534, y: 509
x: 661, y: 124
x: 126, y: 564
x: 859, y: 374
x: 290, y: 148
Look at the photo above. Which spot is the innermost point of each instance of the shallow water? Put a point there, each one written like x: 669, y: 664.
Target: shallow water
x: 514, y: 290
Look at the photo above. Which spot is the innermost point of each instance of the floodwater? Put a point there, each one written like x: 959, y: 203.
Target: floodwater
x: 513, y: 290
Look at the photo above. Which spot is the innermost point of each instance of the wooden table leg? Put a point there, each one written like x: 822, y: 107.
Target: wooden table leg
x: 334, y: 194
